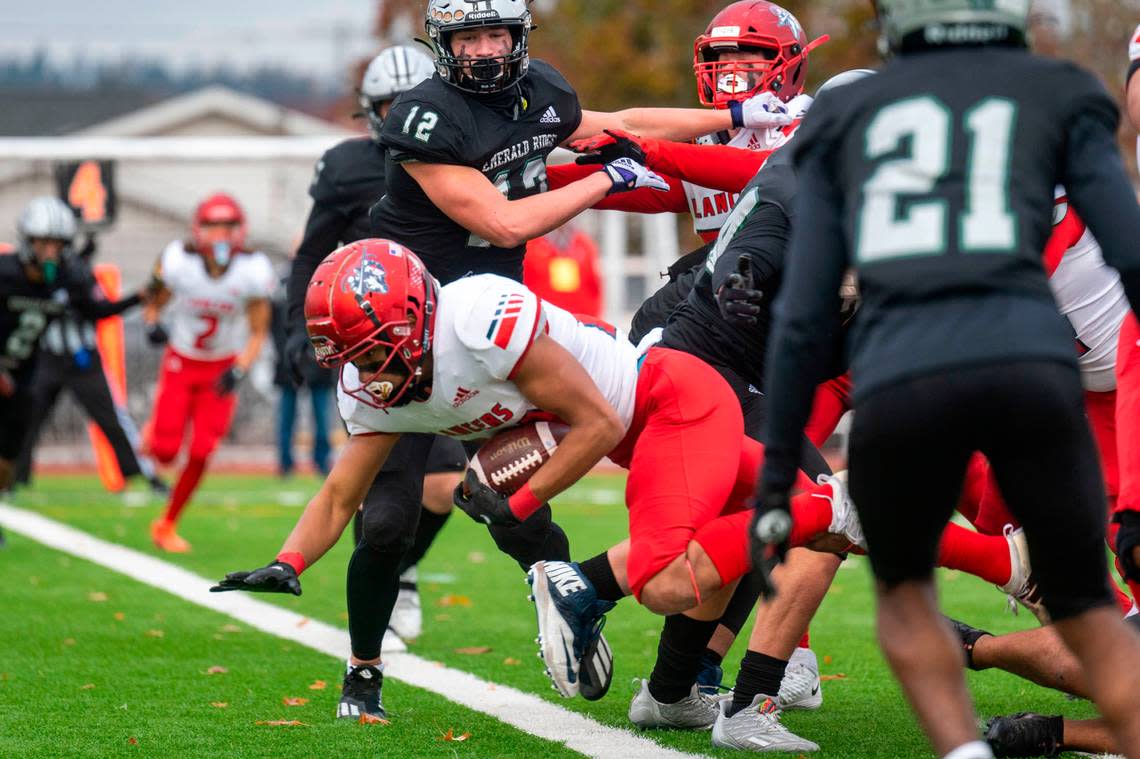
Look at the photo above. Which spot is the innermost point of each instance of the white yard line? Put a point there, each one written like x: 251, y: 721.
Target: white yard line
x: 521, y: 710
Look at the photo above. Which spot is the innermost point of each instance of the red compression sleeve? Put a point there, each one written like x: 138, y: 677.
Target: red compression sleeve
x: 718, y: 167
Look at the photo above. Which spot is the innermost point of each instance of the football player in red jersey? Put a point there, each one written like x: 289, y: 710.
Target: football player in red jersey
x: 406, y: 347
x: 215, y: 294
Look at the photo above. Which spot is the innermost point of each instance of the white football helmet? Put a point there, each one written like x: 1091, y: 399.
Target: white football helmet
x: 445, y: 17
x: 395, y: 70
x: 45, y: 217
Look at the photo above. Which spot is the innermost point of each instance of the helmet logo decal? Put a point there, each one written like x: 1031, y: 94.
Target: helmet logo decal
x: 368, y: 277
x: 785, y: 18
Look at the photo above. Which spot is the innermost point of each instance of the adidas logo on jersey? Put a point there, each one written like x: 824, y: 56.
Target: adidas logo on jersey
x: 462, y: 396
x: 550, y: 116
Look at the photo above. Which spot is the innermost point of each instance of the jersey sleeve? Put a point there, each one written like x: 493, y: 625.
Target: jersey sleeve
x: 170, y: 263
x: 718, y: 167
x: 420, y: 130
x: 260, y: 280
x: 500, y: 325
x: 642, y: 200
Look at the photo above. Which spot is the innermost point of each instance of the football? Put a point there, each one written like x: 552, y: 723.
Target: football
x: 510, y: 458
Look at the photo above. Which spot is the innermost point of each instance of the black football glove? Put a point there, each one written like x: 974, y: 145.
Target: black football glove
x: 618, y: 146
x: 229, y: 380
x: 1127, y: 539
x: 156, y: 334
x: 768, y: 536
x: 483, y: 504
x: 737, y: 299
x: 298, y: 350
x: 278, y: 577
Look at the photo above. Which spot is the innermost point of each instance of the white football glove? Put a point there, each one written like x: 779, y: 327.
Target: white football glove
x: 628, y: 174
x: 799, y: 105
x: 761, y: 111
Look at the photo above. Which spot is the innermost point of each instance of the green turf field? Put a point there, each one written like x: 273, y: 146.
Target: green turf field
x: 95, y: 664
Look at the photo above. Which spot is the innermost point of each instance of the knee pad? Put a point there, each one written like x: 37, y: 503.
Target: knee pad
x: 389, y: 526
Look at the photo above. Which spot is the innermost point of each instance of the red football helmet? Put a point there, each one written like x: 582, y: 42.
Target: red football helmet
x: 218, y: 241
x: 773, y: 33
x: 373, y: 294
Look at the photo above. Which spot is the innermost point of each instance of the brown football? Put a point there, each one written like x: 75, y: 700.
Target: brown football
x: 510, y: 458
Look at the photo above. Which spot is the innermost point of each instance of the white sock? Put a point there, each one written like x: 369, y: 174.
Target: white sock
x: 971, y: 750
x: 349, y: 666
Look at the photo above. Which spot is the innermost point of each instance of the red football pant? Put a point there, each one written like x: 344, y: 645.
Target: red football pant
x: 1128, y: 414
x: 691, y: 469
x: 187, y: 396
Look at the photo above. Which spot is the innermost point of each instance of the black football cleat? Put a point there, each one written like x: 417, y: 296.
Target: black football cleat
x: 969, y: 637
x: 361, y: 693
x: 1026, y: 734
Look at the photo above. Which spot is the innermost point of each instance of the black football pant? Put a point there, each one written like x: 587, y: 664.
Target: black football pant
x: 52, y: 375
x: 910, y: 444
x: 390, y: 515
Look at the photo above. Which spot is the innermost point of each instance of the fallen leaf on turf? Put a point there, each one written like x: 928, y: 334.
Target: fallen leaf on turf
x: 294, y: 701
x: 219, y: 704
x: 511, y: 661
x: 473, y: 650
x: 216, y: 670
x: 451, y: 736
x: 97, y: 596
x: 453, y: 599
x: 3, y: 677
x: 87, y: 686
x: 34, y: 580
x: 133, y: 741
x: 69, y: 641
x: 231, y: 629
x: 318, y: 685
x: 827, y: 659
x: 837, y: 676
x: 442, y: 617
x: 372, y: 719
x: 343, y: 616
x: 155, y: 633
x: 120, y: 616
x: 476, y: 557
x: 303, y: 621
x: 282, y: 723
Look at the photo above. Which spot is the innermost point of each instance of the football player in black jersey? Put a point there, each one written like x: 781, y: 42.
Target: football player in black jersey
x: 349, y: 178
x: 934, y: 180
x: 36, y: 286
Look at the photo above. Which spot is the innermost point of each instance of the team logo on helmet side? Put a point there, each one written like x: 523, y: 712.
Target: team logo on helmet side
x: 476, y: 13
x: 785, y: 18
x: 368, y: 277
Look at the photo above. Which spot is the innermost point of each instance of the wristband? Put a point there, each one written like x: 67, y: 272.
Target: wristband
x: 523, y: 503
x: 293, y: 559
x: 737, y: 111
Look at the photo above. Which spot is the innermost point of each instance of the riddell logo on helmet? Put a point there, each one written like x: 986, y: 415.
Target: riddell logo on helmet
x: 477, y: 14
x: 323, y: 348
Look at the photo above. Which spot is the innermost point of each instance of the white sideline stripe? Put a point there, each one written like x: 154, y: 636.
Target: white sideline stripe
x: 514, y: 707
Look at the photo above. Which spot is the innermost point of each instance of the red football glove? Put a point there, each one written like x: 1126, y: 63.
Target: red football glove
x: 613, y: 144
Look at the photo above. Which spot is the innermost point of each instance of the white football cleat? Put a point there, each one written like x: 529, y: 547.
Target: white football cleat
x: 1022, y: 588
x: 844, y: 517
x: 569, y: 616
x: 407, y: 619
x: 756, y: 728
x: 695, y: 711
x: 800, y: 687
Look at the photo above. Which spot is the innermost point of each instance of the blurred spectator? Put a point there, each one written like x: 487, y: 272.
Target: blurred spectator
x: 561, y: 267
x: 320, y: 384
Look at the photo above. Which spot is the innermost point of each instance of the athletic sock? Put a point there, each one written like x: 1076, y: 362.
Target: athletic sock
x: 984, y: 556
x: 597, y: 570
x: 711, y: 658
x: 683, y: 642
x: 184, y: 488
x: 759, y: 673
x: 811, y: 514
x: 971, y: 750
x: 426, y: 529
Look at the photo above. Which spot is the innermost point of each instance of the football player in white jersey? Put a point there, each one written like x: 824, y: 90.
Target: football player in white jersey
x: 484, y: 353
x: 215, y: 297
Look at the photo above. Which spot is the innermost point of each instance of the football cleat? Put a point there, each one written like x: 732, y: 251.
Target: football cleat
x: 969, y: 637
x: 800, y: 687
x: 407, y: 619
x: 597, y: 669
x: 166, y: 539
x: 1025, y: 734
x: 360, y: 693
x: 710, y: 677
x: 1022, y: 588
x: 695, y: 711
x: 569, y: 619
x: 844, y: 517
x: 756, y: 728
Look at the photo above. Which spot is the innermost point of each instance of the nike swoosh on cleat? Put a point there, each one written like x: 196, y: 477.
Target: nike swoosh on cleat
x: 570, y: 677
x: 815, y: 689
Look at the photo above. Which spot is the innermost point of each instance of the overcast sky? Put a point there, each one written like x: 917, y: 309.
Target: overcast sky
x: 316, y: 36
